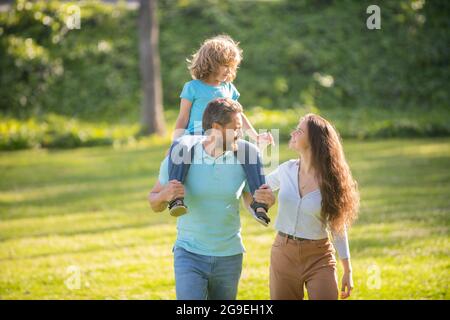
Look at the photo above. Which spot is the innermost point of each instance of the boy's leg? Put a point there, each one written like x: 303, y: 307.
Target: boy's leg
x: 252, y: 165
x: 178, y: 165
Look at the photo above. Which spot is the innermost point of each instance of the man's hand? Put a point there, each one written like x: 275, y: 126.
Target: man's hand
x: 265, y: 195
x: 174, y: 189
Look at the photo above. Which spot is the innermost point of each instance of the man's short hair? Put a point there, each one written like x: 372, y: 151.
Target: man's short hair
x: 220, y: 111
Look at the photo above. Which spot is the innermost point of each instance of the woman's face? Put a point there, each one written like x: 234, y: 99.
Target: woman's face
x: 299, y: 137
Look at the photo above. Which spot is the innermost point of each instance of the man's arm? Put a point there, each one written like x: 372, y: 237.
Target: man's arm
x: 248, y: 198
x: 160, y: 195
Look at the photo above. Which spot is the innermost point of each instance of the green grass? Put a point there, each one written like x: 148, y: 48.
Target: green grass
x: 87, y: 208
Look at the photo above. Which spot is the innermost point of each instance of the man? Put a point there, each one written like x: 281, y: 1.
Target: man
x: 208, y: 251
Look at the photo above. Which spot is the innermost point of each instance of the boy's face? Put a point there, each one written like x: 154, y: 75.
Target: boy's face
x: 224, y: 73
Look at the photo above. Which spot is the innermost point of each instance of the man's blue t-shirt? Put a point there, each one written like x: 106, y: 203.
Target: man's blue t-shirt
x: 200, y: 93
x: 213, y: 187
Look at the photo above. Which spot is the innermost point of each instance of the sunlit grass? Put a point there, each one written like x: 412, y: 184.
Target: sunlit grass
x: 87, y: 208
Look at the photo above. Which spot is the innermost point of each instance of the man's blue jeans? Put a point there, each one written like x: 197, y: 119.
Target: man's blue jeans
x: 200, y: 277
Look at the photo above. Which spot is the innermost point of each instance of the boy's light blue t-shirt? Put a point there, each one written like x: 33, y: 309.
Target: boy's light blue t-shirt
x: 213, y: 187
x: 200, y: 93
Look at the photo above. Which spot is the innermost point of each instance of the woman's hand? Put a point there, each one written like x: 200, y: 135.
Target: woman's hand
x: 265, y: 195
x: 347, y: 285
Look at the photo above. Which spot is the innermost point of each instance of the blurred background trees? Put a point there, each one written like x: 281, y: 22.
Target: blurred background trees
x: 152, y: 116
x: 297, y: 54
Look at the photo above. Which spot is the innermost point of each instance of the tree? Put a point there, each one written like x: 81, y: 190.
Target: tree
x: 152, y: 116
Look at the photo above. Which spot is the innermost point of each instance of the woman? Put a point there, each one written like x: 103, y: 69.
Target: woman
x: 317, y: 194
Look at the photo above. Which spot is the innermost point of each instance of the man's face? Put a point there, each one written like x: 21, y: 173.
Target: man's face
x: 231, y: 132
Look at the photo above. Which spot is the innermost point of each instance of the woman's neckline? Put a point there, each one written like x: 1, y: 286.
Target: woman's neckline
x: 297, y: 178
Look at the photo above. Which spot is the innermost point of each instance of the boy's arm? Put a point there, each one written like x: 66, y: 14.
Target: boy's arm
x: 183, y: 118
x: 264, y: 139
x: 248, y: 128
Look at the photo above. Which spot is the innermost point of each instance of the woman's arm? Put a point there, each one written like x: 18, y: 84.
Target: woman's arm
x: 263, y: 195
x: 347, y: 279
x: 273, y: 179
x: 183, y: 118
x: 342, y: 247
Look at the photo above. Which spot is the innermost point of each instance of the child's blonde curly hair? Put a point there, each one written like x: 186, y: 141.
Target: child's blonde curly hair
x: 218, y: 51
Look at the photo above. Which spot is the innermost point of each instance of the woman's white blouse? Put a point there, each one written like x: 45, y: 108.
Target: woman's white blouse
x: 300, y: 216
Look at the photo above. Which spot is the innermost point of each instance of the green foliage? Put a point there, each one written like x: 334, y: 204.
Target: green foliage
x: 361, y: 123
x: 319, y: 53
x: 54, y: 131
x: 89, y: 72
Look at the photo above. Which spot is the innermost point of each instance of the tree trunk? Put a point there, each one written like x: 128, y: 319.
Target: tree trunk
x: 152, y: 116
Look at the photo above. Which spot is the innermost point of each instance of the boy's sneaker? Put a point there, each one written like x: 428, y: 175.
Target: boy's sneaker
x: 260, y: 215
x: 177, y: 207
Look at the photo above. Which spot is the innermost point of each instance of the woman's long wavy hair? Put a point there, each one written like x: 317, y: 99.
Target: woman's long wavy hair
x: 340, y: 196
x: 219, y: 51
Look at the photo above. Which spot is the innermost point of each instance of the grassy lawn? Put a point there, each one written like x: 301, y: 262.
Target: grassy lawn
x: 87, y: 208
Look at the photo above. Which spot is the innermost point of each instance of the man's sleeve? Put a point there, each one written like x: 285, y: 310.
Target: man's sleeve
x: 164, y: 172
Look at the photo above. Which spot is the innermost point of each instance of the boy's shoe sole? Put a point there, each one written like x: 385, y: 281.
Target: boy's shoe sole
x: 262, y: 221
x: 178, y: 211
